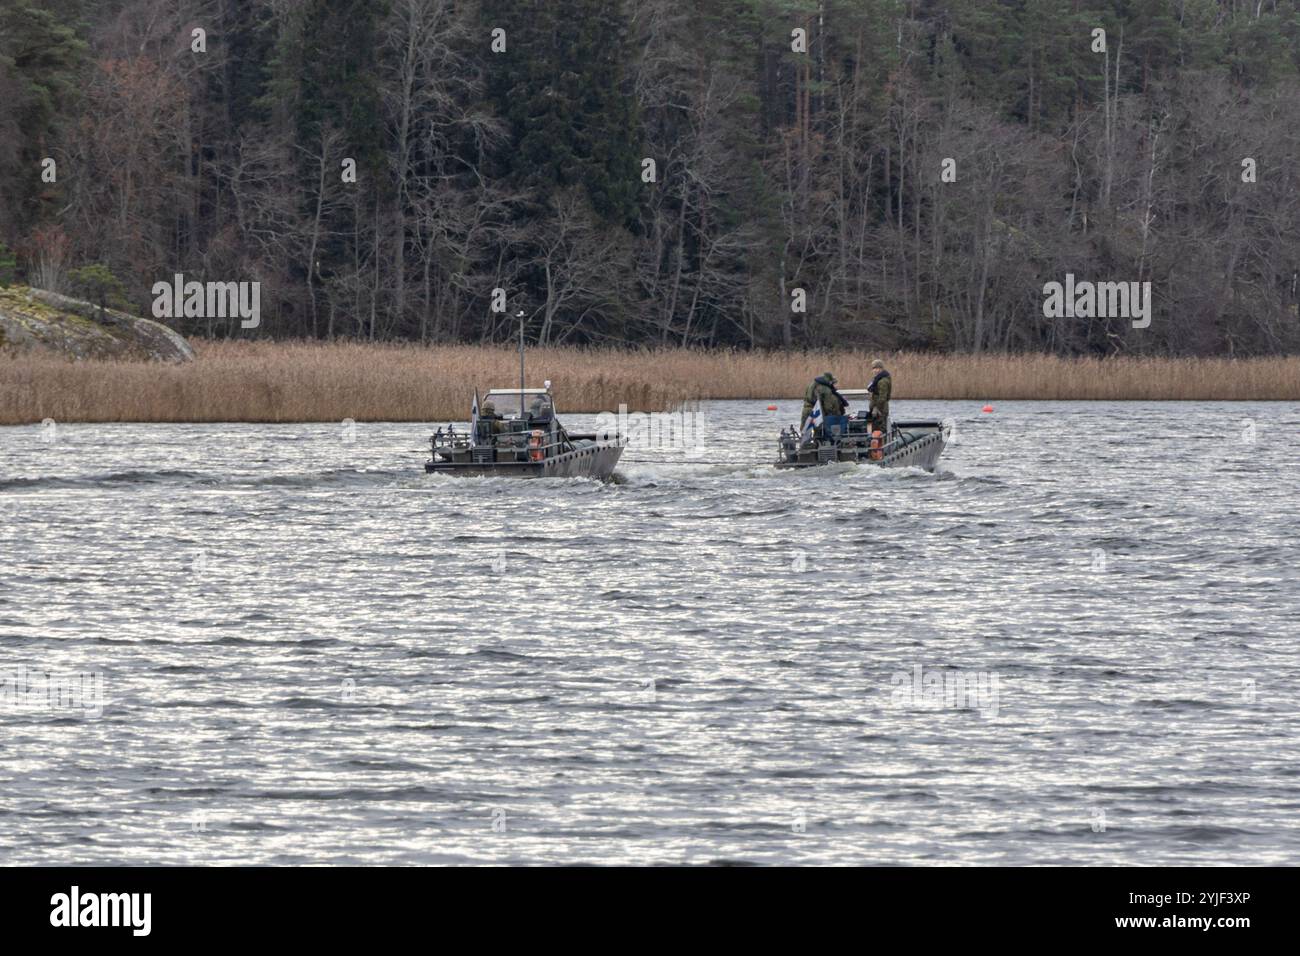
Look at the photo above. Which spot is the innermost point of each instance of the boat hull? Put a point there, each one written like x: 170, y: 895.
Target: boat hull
x: 919, y: 446
x: 597, y: 460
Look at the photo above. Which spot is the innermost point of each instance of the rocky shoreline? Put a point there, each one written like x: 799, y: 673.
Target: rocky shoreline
x: 33, y: 319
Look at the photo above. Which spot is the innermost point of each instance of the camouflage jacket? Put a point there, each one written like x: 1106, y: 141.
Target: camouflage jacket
x: 821, y: 389
x: 880, y: 389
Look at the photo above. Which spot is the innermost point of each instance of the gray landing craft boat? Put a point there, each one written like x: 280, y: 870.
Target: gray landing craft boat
x: 910, y: 443
x: 527, y: 442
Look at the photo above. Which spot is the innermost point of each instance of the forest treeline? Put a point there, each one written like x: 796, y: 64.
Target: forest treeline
x: 784, y: 174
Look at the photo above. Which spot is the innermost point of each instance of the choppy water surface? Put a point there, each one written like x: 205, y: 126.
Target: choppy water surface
x: 312, y: 652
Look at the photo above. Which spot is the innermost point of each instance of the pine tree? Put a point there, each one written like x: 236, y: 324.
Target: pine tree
x: 8, y: 266
x: 561, y: 84
x: 40, y: 58
x: 325, y: 72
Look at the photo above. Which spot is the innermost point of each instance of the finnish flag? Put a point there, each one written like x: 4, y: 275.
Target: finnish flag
x: 813, y: 422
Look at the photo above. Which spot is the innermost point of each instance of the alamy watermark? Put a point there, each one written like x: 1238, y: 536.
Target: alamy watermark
x: 659, y: 431
x: 75, y: 908
x: 1085, y: 299
x: 179, y: 299
x: 24, y: 688
x: 942, y: 689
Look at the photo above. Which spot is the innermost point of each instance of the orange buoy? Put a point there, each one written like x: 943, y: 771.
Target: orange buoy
x: 771, y: 408
x: 987, y: 408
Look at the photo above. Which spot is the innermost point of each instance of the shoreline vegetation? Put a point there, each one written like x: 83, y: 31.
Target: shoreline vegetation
x: 319, y: 382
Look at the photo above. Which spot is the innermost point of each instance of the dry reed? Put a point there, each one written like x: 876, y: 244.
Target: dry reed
x: 297, y: 381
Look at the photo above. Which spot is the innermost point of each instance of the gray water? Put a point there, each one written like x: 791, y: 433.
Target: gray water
x: 310, y: 651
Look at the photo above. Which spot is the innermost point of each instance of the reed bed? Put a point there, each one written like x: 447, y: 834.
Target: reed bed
x: 989, y: 377
x: 301, y: 381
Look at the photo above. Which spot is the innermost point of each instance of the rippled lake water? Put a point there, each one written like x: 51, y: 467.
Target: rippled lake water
x: 1076, y: 643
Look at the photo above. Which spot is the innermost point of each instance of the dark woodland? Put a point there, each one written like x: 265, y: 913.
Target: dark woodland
x: 780, y: 175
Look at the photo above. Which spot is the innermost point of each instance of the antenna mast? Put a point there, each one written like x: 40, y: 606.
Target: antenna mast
x: 520, y: 316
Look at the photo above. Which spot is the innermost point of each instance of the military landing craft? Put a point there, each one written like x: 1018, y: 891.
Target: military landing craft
x: 527, y: 441
x: 914, y: 444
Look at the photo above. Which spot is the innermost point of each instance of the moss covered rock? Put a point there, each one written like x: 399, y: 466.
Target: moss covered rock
x: 33, y: 318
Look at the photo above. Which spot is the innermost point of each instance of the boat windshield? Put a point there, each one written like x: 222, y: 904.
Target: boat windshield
x: 534, y: 407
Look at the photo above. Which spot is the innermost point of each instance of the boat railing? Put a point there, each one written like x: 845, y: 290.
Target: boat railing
x: 516, y: 444
x: 451, y: 440
x: 553, y: 443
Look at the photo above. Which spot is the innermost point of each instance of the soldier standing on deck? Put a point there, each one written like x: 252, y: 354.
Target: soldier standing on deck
x: 880, y: 388
x: 823, y: 389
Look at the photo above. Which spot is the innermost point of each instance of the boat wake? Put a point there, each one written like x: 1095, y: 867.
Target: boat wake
x: 647, y: 474
x: 114, y: 480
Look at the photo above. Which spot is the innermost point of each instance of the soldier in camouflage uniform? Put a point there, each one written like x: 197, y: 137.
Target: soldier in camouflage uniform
x: 880, y: 388
x: 488, y: 419
x: 540, y: 409
x: 823, y: 388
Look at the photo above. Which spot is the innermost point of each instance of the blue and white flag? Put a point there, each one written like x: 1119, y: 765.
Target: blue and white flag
x: 812, y: 422
x: 473, y: 415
